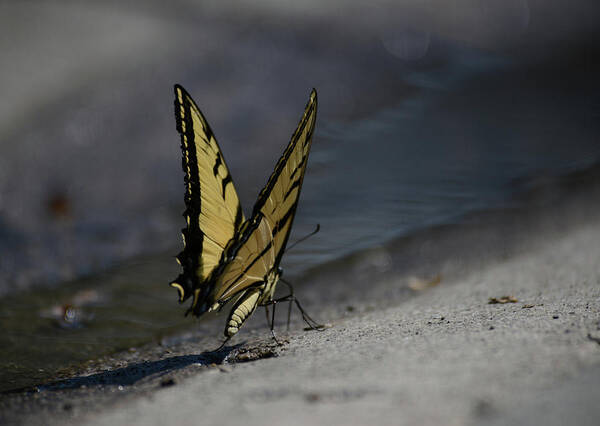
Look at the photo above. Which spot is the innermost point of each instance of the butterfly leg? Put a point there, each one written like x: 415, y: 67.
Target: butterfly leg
x: 289, y: 315
x: 271, y: 321
x: 292, y: 298
x: 307, y: 319
x: 222, y: 344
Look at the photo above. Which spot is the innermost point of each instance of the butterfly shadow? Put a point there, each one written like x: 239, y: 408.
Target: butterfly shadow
x: 127, y: 376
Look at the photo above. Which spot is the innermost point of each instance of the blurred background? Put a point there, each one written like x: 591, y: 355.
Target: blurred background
x: 428, y: 110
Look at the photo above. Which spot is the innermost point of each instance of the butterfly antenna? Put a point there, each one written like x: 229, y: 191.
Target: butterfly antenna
x: 317, y: 229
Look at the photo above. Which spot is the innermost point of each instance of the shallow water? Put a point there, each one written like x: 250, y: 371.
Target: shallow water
x: 47, y: 330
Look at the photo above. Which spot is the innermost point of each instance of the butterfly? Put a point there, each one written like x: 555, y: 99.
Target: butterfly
x: 226, y: 257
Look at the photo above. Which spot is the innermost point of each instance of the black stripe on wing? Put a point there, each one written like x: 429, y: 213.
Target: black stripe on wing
x: 193, y: 236
x: 308, y: 113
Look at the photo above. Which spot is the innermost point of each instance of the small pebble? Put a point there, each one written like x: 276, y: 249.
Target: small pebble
x: 167, y: 382
x: 312, y: 397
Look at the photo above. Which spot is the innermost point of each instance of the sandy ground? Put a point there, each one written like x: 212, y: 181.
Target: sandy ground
x: 442, y: 356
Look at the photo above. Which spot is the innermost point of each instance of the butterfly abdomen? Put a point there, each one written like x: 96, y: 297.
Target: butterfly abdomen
x: 242, y: 309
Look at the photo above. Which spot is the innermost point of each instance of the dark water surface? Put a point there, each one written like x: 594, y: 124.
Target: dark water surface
x: 466, y: 141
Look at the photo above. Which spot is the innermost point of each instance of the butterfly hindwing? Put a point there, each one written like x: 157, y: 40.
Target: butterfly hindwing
x: 213, y: 211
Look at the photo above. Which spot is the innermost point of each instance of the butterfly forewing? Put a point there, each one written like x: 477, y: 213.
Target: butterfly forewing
x: 213, y: 211
x: 278, y: 201
x: 259, y: 248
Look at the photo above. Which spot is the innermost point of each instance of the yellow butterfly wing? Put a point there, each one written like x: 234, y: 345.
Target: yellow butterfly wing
x: 213, y: 211
x: 253, y: 257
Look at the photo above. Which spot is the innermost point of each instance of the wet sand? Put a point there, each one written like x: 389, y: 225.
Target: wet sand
x: 440, y: 355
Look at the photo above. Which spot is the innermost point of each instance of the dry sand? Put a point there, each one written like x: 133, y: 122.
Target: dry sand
x: 444, y: 357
